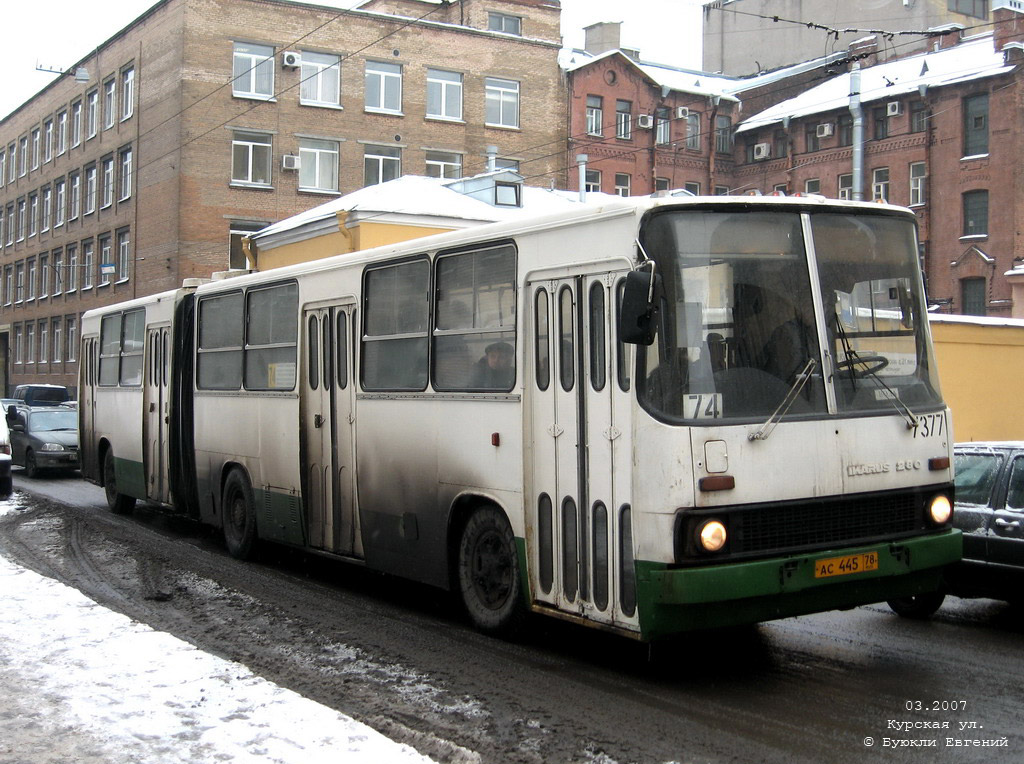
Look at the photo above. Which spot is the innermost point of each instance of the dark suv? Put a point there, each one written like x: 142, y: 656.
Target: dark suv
x: 989, y: 509
x: 41, y: 395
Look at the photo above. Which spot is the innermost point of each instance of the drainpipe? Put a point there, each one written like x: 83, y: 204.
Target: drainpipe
x: 858, y: 134
x: 492, y: 158
x: 581, y: 163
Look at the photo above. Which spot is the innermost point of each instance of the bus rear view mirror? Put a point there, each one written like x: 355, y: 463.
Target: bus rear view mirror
x: 638, y: 313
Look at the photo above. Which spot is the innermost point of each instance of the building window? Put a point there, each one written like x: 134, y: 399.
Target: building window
x: 253, y: 71
x: 109, y: 103
x: 592, y: 181
x: 880, y: 183
x: 48, y: 140
x: 444, y: 94
x: 622, y: 183
x: 22, y: 222
x: 503, y: 22
x: 976, y: 213
x: 845, y: 125
x: 812, y: 186
x: 30, y: 272
x: 58, y: 271
x: 58, y: 336
x: 127, y: 93
x: 507, y: 194
x: 23, y: 157
x: 918, y: 117
x: 3, y: 167
x: 595, y: 115
x: 662, y: 126
x: 723, y: 134
x: 811, y: 140
x: 8, y: 284
x: 321, y: 79
x: 124, y: 255
x: 92, y: 105
x: 442, y: 164
x: 10, y: 224
x: 975, y: 111
x: 381, y: 164
x: 250, y: 158
x: 62, y: 132
x: 35, y: 149
x: 108, y: 182
x: 976, y: 8
x: 33, y: 214
x: 239, y: 230
x: 693, y: 188
x: 44, y: 340
x: 662, y: 184
x: 972, y: 297
x: 30, y: 343
x: 19, y: 283
x: 846, y: 186
x: 90, y: 189
x: 125, y: 162
x: 72, y: 279
x: 106, y: 262
x: 501, y: 99
x: 623, y: 120
x: 75, y: 197
x: 44, y: 276
x: 880, y: 121
x: 917, y: 177
x: 72, y: 340
x: 59, y: 202
x: 383, y: 87
x: 47, y: 199
x: 76, y: 123
x: 693, y: 131
x: 87, y: 264
x: 780, y: 146
x: 318, y: 165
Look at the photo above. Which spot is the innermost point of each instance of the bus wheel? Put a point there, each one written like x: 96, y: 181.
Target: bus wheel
x: 489, y: 573
x: 917, y: 606
x: 239, y: 516
x: 119, y: 503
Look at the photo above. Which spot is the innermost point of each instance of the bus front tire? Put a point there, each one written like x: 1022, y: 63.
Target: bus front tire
x: 119, y: 503
x: 918, y: 606
x: 239, y: 516
x: 488, y: 568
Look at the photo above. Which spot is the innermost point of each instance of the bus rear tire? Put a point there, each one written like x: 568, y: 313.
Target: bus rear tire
x: 239, y: 516
x: 119, y: 503
x: 488, y: 572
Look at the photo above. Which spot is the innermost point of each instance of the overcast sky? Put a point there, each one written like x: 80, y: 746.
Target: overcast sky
x: 667, y: 31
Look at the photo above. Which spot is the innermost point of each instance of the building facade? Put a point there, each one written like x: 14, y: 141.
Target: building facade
x: 206, y: 120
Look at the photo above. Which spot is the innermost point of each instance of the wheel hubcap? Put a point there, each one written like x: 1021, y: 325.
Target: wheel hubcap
x: 491, y: 570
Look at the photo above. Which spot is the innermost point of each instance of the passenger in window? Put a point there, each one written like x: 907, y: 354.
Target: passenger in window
x: 495, y: 370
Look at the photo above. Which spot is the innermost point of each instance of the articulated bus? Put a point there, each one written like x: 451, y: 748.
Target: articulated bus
x: 648, y: 416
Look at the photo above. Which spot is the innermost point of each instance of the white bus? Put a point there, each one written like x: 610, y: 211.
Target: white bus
x: 649, y: 416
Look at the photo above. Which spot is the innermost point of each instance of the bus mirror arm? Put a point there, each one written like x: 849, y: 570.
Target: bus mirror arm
x: 638, y: 313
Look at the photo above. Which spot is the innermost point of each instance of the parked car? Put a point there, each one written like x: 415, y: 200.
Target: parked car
x: 44, y: 438
x: 41, y: 395
x: 6, y: 482
x: 989, y: 510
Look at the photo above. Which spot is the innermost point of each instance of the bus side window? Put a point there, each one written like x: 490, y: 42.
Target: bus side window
x: 342, y: 349
x: 622, y: 350
x: 313, y: 343
x: 598, y: 356
x: 567, y: 345
x: 395, y: 319
x: 542, y: 347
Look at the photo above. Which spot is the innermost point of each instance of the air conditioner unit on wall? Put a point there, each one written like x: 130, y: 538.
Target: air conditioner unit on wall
x: 892, y: 109
x: 645, y: 121
x: 682, y: 112
x: 762, y: 150
x: 290, y: 162
x: 291, y: 60
x: 824, y: 130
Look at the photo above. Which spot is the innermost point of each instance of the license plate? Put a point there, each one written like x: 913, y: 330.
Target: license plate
x: 844, y: 566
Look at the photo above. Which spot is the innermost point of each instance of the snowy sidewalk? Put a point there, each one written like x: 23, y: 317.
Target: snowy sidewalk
x: 81, y: 683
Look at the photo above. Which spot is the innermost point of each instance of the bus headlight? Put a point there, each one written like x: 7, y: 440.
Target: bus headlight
x: 940, y: 510
x: 712, y: 536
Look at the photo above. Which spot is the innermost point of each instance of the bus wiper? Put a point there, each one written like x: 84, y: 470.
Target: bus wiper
x: 794, y: 390
x: 890, y: 394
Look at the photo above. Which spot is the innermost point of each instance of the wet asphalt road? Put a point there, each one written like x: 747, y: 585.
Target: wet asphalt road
x: 862, y: 685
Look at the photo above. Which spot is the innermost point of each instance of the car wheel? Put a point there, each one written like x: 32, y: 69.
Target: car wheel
x: 239, y: 516
x: 918, y: 606
x: 119, y: 503
x: 488, y: 569
x: 31, y: 468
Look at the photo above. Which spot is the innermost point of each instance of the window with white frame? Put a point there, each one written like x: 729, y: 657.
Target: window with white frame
x: 47, y: 201
x: 252, y: 71
x: 71, y: 281
x: 723, y: 134
x: 444, y: 94
x: 44, y: 340
x: 44, y: 276
x: 662, y: 184
x: 35, y: 149
x: 880, y: 183
x: 251, y: 155
x: 846, y: 186
x: 109, y: 103
x: 693, y: 187
x: 19, y: 356
x: 444, y: 164
x: 124, y: 255
x: 3, y: 167
x: 19, y: 282
x: 917, y: 180
x: 33, y: 214
x: 92, y: 106
x: 58, y: 336
x: 8, y: 284
x: 58, y: 271
x: 30, y: 343
x: 812, y: 186
x: 107, y: 182
x: 11, y: 227
x: 623, y: 119
x: 127, y: 93
x: 106, y: 260
x: 22, y: 219
x: 30, y: 279
x: 504, y: 22
x: 662, y: 126
x: 592, y: 181
x: 501, y: 102
x: 47, y: 140
x: 12, y: 152
x: 72, y: 339
x: 2, y: 219
x: 75, y: 196
x: 318, y: 165
x: 595, y: 115
x: 622, y: 183
x: 88, y: 254
x: 321, y: 79
x: 23, y: 157
x: 125, y: 162
x: 380, y: 164
x: 76, y: 123
x: 383, y: 87
x: 62, y: 132
x: 90, y: 189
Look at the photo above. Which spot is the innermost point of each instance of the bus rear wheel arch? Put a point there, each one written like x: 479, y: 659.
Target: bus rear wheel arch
x: 119, y: 503
x: 488, y: 572
x: 239, y: 515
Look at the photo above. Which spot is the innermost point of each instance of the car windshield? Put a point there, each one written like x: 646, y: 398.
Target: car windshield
x: 50, y: 421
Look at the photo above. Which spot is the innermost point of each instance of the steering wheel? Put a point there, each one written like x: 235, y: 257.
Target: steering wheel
x: 872, y: 364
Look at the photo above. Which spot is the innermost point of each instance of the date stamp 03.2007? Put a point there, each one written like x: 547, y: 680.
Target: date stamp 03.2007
x: 935, y: 724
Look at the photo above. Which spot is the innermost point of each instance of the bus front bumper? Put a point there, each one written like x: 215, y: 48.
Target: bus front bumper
x: 674, y: 600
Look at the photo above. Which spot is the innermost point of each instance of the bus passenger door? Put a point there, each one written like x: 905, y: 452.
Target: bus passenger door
x: 580, y: 457
x: 327, y: 446
x: 155, y: 421
x: 87, y: 410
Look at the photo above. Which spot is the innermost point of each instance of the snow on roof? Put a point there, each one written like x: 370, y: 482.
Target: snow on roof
x: 971, y: 59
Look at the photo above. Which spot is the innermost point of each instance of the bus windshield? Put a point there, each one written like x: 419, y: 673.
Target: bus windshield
x: 741, y: 321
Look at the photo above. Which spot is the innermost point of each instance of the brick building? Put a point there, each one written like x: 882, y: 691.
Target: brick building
x: 205, y: 120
